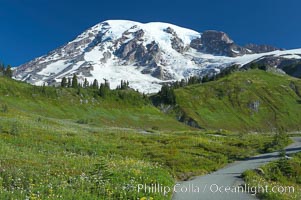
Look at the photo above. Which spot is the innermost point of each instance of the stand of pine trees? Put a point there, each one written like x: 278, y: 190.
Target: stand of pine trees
x: 103, y: 88
x: 166, y: 95
x: 123, y: 85
x: 6, y: 71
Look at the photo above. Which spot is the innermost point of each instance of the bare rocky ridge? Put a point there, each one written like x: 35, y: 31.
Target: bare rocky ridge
x: 147, y: 55
x: 219, y: 43
x: 261, y: 48
x: 176, y: 42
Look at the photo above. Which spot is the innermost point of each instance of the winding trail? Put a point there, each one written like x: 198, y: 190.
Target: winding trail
x: 228, y: 176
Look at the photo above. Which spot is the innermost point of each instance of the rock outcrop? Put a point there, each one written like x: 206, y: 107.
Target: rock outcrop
x: 261, y: 48
x: 217, y: 43
x: 220, y: 44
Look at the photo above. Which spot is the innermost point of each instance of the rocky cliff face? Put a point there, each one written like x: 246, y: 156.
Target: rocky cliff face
x: 220, y: 44
x: 214, y: 42
x: 261, y: 48
x: 144, y: 54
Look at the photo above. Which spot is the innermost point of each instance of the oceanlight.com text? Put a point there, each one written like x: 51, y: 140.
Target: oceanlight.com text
x: 213, y: 188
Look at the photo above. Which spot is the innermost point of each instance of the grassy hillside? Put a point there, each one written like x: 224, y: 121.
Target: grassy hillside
x: 127, y: 109
x: 61, y: 143
x: 251, y: 100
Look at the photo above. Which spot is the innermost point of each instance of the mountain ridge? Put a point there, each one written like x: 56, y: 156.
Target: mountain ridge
x: 145, y: 54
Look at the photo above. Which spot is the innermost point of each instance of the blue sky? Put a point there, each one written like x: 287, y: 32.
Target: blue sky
x: 31, y: 28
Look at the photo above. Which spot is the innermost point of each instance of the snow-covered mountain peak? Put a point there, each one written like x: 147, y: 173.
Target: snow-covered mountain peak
x: 145, y: 54
x: 116, y: 28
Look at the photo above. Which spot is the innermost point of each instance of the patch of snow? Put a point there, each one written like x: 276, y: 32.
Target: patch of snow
x: 114, y: 73
x: 293, y: 56
x: 54, y: 68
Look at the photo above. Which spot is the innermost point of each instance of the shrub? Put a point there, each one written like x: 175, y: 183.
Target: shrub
x: 82, y: 121
x: 14, y: 129
x: 4, y: 108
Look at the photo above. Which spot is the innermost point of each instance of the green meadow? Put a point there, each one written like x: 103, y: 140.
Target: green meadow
x: 66, y: 143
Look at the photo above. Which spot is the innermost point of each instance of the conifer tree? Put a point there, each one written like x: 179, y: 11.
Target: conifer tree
x: 8, y: 72
x: 205, y: 79
x: 2, y: 69
x: 167, y: 95
x: 44, y: 88
x: 121, y: 85
x: 64, y: 82
x: 107, y: 84
x: 86, y: 83
x: 182, y: 83
x: 74, y: 81
x: 95, y: 84
x: 69, y: 82
x: 102, y: 90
